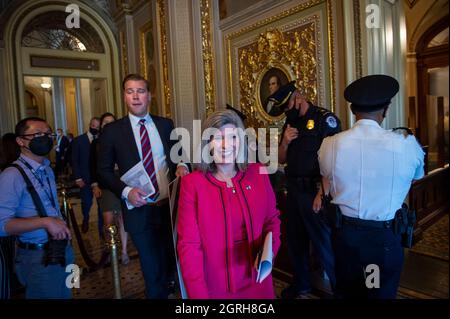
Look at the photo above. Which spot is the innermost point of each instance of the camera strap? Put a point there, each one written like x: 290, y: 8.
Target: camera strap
x: 34, y: 195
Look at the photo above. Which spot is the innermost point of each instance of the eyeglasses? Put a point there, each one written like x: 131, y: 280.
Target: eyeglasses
x: 39, y: 134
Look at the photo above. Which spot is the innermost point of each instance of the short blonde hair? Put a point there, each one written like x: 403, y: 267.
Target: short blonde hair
x: 216, y: 120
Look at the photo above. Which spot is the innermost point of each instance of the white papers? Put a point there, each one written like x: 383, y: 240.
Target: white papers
x: 174, y: 190
x: 265, y: 257
x: 137, y: 177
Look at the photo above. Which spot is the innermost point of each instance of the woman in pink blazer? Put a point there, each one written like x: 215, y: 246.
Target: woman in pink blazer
x: 226, y: 208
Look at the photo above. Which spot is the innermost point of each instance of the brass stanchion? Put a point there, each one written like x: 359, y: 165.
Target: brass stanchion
x: 112, y: 244
x: 65, y: 206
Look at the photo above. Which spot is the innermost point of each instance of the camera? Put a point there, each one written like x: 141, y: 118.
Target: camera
x: 55, y: 252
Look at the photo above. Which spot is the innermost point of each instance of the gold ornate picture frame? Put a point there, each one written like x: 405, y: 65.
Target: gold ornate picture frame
x: 297, y: 44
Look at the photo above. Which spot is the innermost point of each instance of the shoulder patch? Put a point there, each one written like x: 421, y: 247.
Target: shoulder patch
x: 405, y: 131
x: 331, y: 121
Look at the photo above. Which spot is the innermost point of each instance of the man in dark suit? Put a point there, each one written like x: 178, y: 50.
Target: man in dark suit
x: 136, y: 138
x: 62, y: 143
x: 81, y: 147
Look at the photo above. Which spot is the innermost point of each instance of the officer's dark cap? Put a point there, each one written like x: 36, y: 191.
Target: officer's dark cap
x: 371, y: 93
x: 282, y: 95
x: 241, y: 115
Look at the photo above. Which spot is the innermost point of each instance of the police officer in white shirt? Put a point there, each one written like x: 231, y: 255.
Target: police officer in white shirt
x: 368, y: 171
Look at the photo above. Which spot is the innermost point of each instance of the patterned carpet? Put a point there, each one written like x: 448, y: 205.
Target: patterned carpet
x: 98, y: 284
x: 415, y: 283
x: 435, y: 240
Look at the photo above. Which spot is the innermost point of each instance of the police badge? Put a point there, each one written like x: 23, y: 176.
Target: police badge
x: 310, y: 124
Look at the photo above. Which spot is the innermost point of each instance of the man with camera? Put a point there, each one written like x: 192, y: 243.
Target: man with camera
x: 368, y: 171
x: 29, y: 209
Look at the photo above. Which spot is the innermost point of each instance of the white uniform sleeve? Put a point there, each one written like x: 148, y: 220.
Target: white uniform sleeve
x: 418, y: 155
x: 325, y: 156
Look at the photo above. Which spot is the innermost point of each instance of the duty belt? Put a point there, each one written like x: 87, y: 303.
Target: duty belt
x: 367, y: 223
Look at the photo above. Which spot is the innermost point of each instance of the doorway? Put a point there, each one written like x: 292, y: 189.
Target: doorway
x: 65, y: 102
x: 432, y: 93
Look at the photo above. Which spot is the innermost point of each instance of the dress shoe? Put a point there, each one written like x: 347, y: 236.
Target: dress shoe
x: 171, y: 287
x: 125, y: 259
x: 85, y: 227
x: 293, y: 292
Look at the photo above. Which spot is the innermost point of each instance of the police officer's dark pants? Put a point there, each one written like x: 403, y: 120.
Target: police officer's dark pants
x: 304, y: 225
x: 355, y: 248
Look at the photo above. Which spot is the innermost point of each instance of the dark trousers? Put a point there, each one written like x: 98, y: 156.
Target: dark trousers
x: 156, y: 256
x: 86, y: 197
x: 305, y: 226
x: 355, y: 248
x: 59, y: 165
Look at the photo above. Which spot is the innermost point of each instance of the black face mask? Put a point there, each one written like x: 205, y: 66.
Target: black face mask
x: 292, y: 115
x: 41, y: 145
x: 93, y: 131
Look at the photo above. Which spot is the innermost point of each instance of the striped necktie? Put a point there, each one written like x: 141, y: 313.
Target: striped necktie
x: 147, y: 158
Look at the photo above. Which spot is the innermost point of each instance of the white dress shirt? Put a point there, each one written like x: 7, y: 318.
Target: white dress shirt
x: 58, y: 143
x: 159, y: 157
x: 90, y: 136
x: 370, y: 169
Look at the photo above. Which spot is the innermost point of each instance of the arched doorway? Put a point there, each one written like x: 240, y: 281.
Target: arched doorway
x: 432, y: 74
x: 40, y: 45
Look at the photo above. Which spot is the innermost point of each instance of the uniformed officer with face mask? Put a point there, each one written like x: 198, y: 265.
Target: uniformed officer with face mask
x: 305, y: 128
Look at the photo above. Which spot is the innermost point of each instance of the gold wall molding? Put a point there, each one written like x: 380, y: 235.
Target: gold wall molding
x: 208, y: 56
x: 330, y: 26
x: 301, y: 47
x: 279, y: 16
x: 148, y: 65
x: 143, y: 54
x: 165, y: 65
x: 124, y: 53
x: 358, y: 43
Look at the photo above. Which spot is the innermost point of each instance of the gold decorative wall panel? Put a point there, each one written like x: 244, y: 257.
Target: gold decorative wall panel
x: 208, y: 57
x: 296, y: 44
x: 147, y: 63
x: 358, y: 45
x: 165, y: 65
x: 123, y: 53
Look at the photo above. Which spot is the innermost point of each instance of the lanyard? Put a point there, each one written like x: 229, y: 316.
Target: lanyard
x: 33, y: 171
